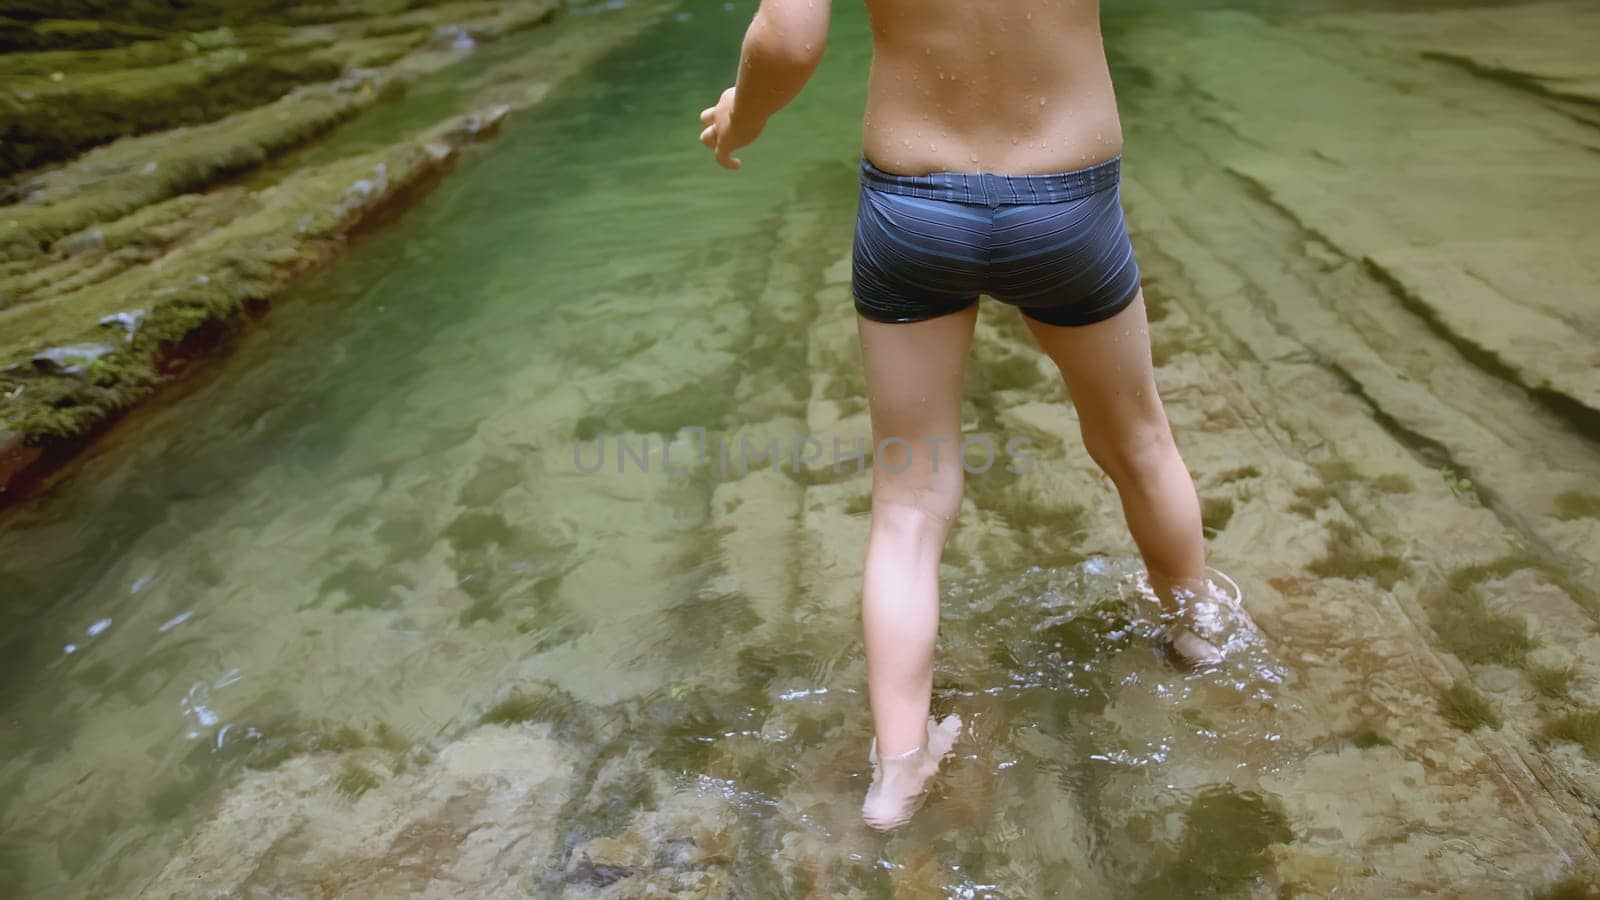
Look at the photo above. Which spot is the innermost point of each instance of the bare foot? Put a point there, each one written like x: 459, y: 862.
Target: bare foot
x: 900, y: 783
x: 1192, y: 648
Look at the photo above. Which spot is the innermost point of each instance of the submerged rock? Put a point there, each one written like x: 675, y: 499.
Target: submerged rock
x: 471, y: 821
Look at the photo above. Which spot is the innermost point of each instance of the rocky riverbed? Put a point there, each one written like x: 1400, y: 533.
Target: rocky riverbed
x: 352, y: 619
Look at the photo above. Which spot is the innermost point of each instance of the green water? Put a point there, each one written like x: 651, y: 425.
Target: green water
x: 362, y: 539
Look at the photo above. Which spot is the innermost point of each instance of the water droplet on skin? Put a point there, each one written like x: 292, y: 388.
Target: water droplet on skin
x: 932, y: 147
x: 1041, y: 101
x: 906, y: 143
x: 1013, y: 142
x: 973, y: 157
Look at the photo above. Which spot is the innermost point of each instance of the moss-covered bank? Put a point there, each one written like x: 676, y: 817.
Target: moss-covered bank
x: 79, y: 76
x: 119, y: 266
x: 150, y: 320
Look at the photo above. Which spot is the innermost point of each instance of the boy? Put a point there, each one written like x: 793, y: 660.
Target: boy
x: 991, y: 163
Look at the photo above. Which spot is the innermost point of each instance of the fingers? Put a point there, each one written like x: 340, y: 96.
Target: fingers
x: 711, y: 136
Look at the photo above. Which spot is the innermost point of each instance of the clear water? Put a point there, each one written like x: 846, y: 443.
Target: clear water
x: 361, y: 540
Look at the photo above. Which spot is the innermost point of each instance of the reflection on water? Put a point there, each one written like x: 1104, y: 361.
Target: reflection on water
x: 342, y: 616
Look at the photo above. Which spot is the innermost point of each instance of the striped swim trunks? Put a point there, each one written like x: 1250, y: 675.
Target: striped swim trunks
x: 1056, y: 246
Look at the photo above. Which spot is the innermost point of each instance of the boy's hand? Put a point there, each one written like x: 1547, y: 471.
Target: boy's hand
x: 722, y: 135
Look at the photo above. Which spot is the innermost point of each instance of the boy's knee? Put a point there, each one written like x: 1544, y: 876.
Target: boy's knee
x: 929, y: 505
x: 1128, y: 454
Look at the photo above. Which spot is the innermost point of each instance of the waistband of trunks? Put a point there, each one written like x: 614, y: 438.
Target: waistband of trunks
x: 991, y: 189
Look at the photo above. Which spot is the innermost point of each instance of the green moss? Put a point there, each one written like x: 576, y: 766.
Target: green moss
x: 1367, y: 738
x: 1577, y: 505
x: 371, y: 52
x: 1474, y: 632
x: 1005, y: 372
x: 108, y: 105
x: 355, y: 780
x: 484, y: 608
x: 364, y: 587
x: 1552, y: 682
x: 61, y: 102
x: 69, y: 34
x: 1216, y: 513
x: 547, y: 704
x: 97, y: 255
x: 203, y: 288
x: 386, y: 737
x: 1466, y: 709
x: 1581, y: 728
x: 1310, y: 499
x: 1348, y: 556
x: 1225, y: 838
x: 1337, y: 471
x: 860, y: 504
x: 150, y: 169
x: 1393, y: 484
x: 1458, y: 483
x: 1468, y: 577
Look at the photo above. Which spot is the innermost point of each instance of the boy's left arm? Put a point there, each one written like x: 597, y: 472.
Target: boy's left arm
x: 781, y: 49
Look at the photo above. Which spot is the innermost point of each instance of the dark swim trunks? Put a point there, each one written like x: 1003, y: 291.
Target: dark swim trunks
x: 1054, y: 245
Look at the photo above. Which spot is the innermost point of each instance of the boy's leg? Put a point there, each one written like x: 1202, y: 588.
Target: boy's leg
x: 1108, y: 371
x: 914, y: 373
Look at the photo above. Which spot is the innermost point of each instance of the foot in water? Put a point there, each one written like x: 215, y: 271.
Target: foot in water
x: 900, y: 782
x: 1184, y: 627
x: 1190, y: 647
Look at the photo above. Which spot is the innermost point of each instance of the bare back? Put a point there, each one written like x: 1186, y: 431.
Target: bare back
x: 1017, y: 87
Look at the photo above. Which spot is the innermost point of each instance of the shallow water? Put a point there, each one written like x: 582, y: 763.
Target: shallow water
x: 279, y: 608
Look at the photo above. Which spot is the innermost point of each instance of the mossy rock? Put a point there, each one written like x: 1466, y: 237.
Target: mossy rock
x: 36, y: 128
x: 203, y: 291
x: 1465, y: 708
x: 93, y: 80
x: 69, y: 34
